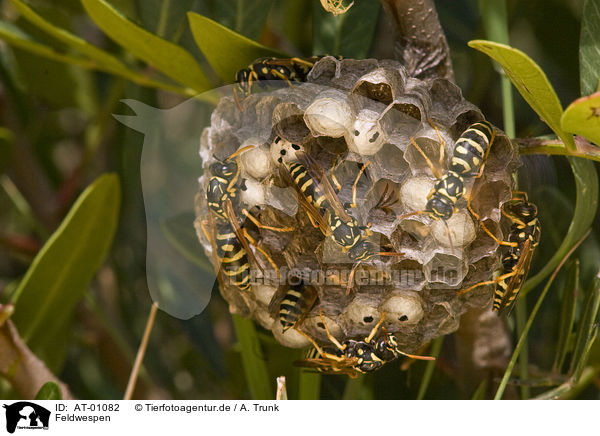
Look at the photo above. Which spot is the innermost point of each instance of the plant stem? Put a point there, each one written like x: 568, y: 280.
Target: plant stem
x: 436, y: 347
x: 141, y: 352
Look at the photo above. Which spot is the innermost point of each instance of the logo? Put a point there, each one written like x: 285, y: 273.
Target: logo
x: 26, y: 415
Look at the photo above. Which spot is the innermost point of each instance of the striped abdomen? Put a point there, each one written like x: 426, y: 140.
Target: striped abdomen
x: 233, y: 256
x: 471, y: 148
x: 307, y: 185
x: 296, y: 304
x: 525, y: 231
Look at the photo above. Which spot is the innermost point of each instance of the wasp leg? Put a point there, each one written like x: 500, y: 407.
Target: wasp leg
x: 264, y: 253
x: 236, y: 97
x: 319, y: 349
x: 282, y: 77
x: 338, y: 187
x: 487, y: 282
x: 436, y: 172
x: 329, y: 335
x: 262, y: 226
x: 355, y: 184
x: 442, y: 143
x: 374, y: 330
x: 485, y: 229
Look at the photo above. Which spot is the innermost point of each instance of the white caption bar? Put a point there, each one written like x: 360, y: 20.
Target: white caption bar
x: 90, y: 418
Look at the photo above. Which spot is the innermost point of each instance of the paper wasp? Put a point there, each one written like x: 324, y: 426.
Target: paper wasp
x: 321, y: 198
x: 230, y: 238
x: 297, y: 302
x: 354, y: 357
x: 263, y: 69
x: 523, y: 238
x: 468, y: 160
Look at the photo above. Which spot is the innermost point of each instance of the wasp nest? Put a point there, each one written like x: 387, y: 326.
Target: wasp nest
x: 358, y: 121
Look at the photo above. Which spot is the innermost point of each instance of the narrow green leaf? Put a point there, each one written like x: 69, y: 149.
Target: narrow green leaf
x: 164, y: 18
x: 50, y: 391
x: 567, y: 315
x: 589, y: 47
x: 253, y: 360
x: 60, y: 273
x: 246, y: 17
x: 586, y: 204
x: 163, y: 55
x: 436, y: 347
x: 585, y: 331
x: 102, y: 57
x: 582, y: 117
x: 225, y: 50
x: 179, y: 231
x: 354, y: 388
x: 309, y: 383
x: 530, y: 81
x: 18, y: 38
x: 349, y: 34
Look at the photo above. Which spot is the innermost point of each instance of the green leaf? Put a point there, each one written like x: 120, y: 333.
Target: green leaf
x: 50, y: 391
x: 164, y: 18
x: 309, y: 384
x: 582, y: 117
x: 587, y: 326
x: 589, y: 47
x: 18, y: 38
x: 257, y: 376
x: 102, y: 57
x: 225, y: 50
x: 246, y: 17
x: 349, y: 34
x: 531, y: 82
x: 60, y: 273
x: 163, y: 55
x: 567, y: 315
x: 586, y: 204
x: 179, y: 231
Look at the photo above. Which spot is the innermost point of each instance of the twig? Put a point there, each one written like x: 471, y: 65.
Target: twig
x: 141, y: 352
x: 420, y: 42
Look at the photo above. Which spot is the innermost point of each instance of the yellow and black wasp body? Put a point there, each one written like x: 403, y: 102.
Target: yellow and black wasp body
x: 467, y: 162
x: 471, y: 149
x: 290, y: 70
x: 353, y: 357
x: 297, y: 302
x: 231, y: 240
x: 232, y: 255
x: 525, y: 232
x: 222, y: 186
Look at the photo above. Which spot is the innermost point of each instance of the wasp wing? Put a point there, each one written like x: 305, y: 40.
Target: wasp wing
x: 239, y: 232
x: 313, y: 214
x: 317, y: 174
x: 516, y: 281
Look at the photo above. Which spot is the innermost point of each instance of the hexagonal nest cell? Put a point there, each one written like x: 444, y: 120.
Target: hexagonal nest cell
x: 354, y: 115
